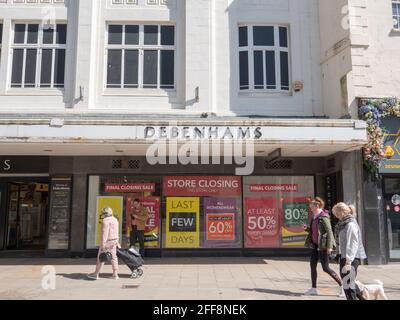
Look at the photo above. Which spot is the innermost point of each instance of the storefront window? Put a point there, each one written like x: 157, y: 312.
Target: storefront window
x: 275, y: 209
x: 202, y: 212
x: 119, y: 193
x: 205, y: 212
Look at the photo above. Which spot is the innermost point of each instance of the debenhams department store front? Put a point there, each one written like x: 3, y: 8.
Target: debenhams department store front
x: 212, y: 187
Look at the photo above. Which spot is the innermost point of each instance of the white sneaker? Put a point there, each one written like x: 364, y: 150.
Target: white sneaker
x: 312, y: 292
x: 341, y: 293
x: 114, y: 277
x: 93, y: 276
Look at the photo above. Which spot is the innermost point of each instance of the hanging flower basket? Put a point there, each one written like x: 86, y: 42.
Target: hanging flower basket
x: 373, y: 111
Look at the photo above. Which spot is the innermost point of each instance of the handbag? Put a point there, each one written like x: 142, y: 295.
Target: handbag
x: 105, y: 256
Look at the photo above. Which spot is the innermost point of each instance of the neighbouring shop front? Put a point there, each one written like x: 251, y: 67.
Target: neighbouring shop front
x: 390, y: 170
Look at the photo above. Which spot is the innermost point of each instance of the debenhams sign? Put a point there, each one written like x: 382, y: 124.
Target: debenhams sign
x: 203, y: 133
x: 5, y: 165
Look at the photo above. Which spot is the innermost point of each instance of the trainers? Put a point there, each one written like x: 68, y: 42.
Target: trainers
x: 312, y: 292
x: 114, y: 277
x: 93, y: 276
x: 341, y: 293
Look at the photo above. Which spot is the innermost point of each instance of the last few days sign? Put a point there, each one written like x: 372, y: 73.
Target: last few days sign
x: 183, y: 222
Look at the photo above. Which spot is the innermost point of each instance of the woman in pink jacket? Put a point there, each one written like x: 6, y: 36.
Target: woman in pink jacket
x: 109, y: 241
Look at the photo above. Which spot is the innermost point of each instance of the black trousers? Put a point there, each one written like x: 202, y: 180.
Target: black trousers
x: 324, y: 258
x: 137, y: 235
x: 349, y: 279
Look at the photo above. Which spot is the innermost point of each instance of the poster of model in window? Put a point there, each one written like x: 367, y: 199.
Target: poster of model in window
x: 152, y: 226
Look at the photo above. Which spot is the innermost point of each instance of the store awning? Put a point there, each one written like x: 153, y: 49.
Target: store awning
x: 92, y: 137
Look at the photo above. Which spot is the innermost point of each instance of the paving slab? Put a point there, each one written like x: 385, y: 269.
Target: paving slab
x: 179, y: 279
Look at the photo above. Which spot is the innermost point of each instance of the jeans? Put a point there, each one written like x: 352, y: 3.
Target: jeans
x: 137, y: 234
x: 324, y: 258
x: 349, y: 279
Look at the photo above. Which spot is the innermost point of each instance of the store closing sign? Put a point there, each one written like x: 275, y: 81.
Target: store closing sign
x: 202, y: 186
x: 183, y: 223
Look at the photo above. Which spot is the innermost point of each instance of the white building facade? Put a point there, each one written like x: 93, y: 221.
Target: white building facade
x: 88, y: 87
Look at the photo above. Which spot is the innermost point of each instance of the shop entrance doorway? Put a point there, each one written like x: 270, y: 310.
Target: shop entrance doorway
x: 392, y: 197
x: 26, y: 215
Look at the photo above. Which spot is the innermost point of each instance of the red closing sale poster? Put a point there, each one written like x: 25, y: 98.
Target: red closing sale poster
x: 261, y: 222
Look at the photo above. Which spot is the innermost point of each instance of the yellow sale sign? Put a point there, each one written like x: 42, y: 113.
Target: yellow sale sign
x: 116, y: 204
x: 183, y: 222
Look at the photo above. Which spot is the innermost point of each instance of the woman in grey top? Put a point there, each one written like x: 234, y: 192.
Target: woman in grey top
x: 351, y: 247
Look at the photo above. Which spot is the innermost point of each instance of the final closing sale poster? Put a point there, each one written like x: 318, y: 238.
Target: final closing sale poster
x: 261, y: 222
x: 183, y: 222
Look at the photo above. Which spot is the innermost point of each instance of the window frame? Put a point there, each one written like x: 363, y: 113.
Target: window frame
x: 39, y: 47
x: 396, y: 3
x: 276, y: 48
x: 1, y: 38
x: 140, y: 47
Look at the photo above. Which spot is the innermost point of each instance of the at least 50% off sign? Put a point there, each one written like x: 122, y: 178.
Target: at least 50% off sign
x: 265, y: 222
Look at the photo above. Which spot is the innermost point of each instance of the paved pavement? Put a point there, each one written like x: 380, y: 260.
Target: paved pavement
x: 180, y: 279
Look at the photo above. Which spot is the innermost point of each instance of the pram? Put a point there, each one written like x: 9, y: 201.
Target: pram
x: 133, y: 260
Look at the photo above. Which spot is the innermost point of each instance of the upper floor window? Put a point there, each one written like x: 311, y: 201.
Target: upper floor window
x: 141, y: 56
x: 264, y: 58
x: 396, y: 13
x: 38, y: 55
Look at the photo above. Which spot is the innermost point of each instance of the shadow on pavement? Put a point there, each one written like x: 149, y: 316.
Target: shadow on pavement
x: 218, y: 260
x: 38, y: 261
x: 82, y: 276
x: 284, y: 292
x: 277, y: 292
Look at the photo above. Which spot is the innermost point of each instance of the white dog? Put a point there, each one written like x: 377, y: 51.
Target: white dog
x: 374, y: 291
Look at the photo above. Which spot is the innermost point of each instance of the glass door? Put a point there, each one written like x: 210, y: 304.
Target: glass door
x: 2, y: 215
x: 26, y: 216
x: 392, y: 197
x: 12, y: 217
